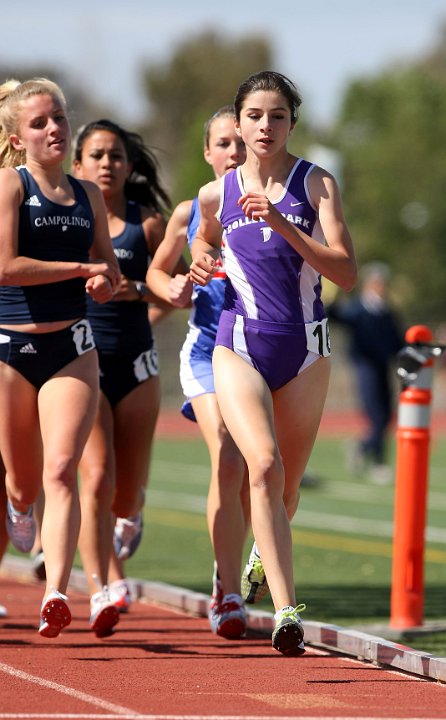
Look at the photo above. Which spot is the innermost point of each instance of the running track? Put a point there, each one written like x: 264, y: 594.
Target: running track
x: 343, y: 423
x: 164, y: 663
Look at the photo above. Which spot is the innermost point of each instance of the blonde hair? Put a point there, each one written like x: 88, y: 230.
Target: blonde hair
x: 225, y: 111
x: 12, y: 94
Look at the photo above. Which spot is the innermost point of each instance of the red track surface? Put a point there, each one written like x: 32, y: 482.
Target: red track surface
x: 336, y: 424
x: 163, y: 664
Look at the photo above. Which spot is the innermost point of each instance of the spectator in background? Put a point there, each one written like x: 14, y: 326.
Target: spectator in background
x: 375, y: 336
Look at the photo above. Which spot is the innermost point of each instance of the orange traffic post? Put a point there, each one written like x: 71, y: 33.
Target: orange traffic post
x: 411, y: 483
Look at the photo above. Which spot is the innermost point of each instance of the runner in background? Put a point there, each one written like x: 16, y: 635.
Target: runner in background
x: 115, y: 464
x: 228, y: 499
x: 283, y: 228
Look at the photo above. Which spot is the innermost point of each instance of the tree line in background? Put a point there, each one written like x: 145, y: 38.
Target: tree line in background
x: 390, y: 134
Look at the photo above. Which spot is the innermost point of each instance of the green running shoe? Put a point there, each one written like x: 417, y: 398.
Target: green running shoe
x: 288, y: 635
x: 254, y: 584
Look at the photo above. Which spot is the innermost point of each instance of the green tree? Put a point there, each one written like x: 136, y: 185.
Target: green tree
x: 201, y: 76
x: 392, y: 135
x: 81, y: 107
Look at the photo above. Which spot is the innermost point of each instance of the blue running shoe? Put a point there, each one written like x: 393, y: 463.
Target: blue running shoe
x: 127, y: 536
x: 21, y: 528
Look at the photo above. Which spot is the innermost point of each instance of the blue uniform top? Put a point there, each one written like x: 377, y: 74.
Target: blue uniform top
x: 118, y: 326
x: 52, y: 232
x: 207, y: 301
x: 268, y: 279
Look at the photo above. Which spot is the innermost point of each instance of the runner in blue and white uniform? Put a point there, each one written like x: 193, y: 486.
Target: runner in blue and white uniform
x: 228, y: 502
x: 196, y: 374
x: 283, y: 229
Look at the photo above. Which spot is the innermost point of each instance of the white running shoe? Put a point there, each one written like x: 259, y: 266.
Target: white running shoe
x: 228, y: 619
x: 21, y: 527
x: 120, y: 595
x: 127, y: 536
x: 254, y: 583
x: 288, y: 634
x: 104, y: 615
x: 54, y: 614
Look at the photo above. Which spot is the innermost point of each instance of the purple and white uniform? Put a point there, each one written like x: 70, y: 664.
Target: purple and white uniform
x: 273, y: 316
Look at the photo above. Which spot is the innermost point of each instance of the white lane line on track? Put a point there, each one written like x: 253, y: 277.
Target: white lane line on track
x: 68, y: 716
x: 118, y: 710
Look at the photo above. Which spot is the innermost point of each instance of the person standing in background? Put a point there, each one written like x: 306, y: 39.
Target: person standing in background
x: 54, y: 246
x: 375, y: 336
x: 228, y: 499
x: 115, y: 464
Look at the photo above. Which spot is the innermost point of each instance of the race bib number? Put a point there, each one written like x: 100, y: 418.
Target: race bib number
x: 318, y: 337
x: 83, y: 337
x: 146, y: 365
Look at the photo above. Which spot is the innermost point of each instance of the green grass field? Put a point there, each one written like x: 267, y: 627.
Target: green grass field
x: 342, y: 536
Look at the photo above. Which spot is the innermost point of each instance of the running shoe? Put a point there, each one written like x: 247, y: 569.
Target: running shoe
x: 120, y: 595
x: 254, y: 583
x: 38, y: 563
x: 54, y: 614
x: 21, y: 528
x: 104, y: 615
x: 3, y: 611
x: 127, y: 536
x: 228, y: 619
x: 288, y: 634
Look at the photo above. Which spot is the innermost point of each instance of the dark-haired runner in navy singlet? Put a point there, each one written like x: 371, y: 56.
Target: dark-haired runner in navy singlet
x: 115, y: 464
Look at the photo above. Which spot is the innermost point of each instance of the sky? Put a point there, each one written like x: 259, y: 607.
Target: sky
x: 321, y: 45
